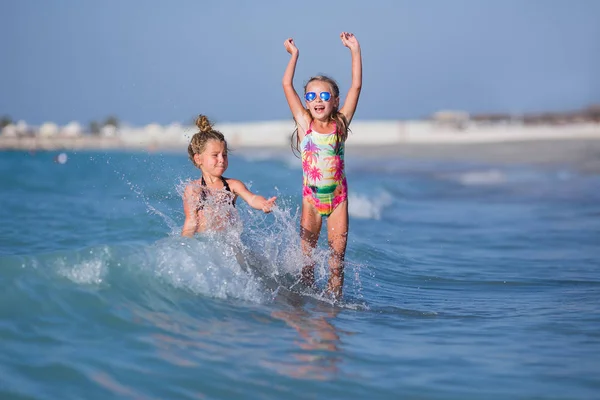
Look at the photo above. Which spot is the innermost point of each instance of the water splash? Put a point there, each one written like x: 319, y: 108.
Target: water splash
x: 84, y: 268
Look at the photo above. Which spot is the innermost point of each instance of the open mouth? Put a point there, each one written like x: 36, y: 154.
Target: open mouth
x: 319, y: 109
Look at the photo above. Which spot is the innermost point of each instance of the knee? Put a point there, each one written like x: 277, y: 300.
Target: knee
x: 309, y: 236
x: 336, y: 272
x: 337, y: 255
x: 338, y: 245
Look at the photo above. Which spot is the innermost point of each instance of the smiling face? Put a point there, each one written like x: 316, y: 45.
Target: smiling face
x: 213, y: 160
x: 319, y: 109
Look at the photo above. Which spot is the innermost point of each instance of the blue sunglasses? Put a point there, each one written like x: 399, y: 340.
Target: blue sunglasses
x: 311, y: 96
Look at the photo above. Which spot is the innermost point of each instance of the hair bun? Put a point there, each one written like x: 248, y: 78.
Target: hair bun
x: 203, y: 123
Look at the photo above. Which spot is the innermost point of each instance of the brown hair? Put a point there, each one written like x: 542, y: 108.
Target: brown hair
x: 200, y: 138
x: 341, y: 122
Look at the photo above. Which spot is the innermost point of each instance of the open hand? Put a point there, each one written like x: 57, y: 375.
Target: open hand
x: 290, y: 46
x: 349, y: 40
x: 269, y: 203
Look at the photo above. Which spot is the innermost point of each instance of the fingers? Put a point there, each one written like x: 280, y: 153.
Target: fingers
x: 346, y: 36
x: 290, y: 46
x: 269, y: 205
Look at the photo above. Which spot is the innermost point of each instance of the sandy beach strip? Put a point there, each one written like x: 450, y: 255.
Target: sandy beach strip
x: 582, y: 154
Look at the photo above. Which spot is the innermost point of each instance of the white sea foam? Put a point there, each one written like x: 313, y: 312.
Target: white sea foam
x: 207, y: 267
x: 368, y: 207
x: 486, y: 177
x: 86, y: 269
x: 495, y: 176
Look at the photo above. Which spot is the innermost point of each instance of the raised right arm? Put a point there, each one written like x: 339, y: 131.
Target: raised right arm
x: 298, y: 111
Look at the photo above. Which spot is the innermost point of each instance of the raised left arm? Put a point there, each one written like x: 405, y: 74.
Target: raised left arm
x: 349, y: 107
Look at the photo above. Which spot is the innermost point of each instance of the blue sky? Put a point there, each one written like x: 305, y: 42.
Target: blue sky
x: 166, y: 61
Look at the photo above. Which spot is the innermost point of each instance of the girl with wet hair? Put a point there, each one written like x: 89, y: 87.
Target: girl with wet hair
x: 209, y: 202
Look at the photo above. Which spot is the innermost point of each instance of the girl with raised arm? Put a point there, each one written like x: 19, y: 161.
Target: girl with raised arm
x: 320, y: 137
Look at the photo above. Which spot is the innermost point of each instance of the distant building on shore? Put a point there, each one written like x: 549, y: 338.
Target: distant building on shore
x: 461, y: 119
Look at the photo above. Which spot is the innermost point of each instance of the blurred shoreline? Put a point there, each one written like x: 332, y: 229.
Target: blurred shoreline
x: 577, y: 145
x: 582, y: 155
x: 278, y: 134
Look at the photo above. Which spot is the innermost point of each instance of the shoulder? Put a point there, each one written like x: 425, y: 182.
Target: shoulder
x: 233, y: 183
x: 236, y: 185
x: 303, y: 118
x: 192, y: 189
x: 303, y: 121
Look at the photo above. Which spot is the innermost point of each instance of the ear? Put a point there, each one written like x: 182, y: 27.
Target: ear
x: 197, y: 159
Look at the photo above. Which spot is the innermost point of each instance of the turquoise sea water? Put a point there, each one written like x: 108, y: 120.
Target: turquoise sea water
x: 464, y: 281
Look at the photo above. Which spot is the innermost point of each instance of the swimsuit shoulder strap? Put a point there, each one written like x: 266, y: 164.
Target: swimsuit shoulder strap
x: 225, y: 184
x: 309, y: 130
x: 202, y: 192
x: 229, y: 190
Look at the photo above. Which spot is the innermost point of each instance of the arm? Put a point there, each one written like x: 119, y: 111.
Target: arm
x: 190, y: 225
x: 349, y: 107
x: 298, y: 111
x: 255, y: 201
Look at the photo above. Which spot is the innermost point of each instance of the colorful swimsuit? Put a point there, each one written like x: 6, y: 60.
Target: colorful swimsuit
x: 324, y: 179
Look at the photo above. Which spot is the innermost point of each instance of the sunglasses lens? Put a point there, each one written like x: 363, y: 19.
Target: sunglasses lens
x: 310, y: 96
x: 325, y: 96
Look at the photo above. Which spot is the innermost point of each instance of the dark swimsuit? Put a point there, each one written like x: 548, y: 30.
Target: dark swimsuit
x: 203, y: 193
